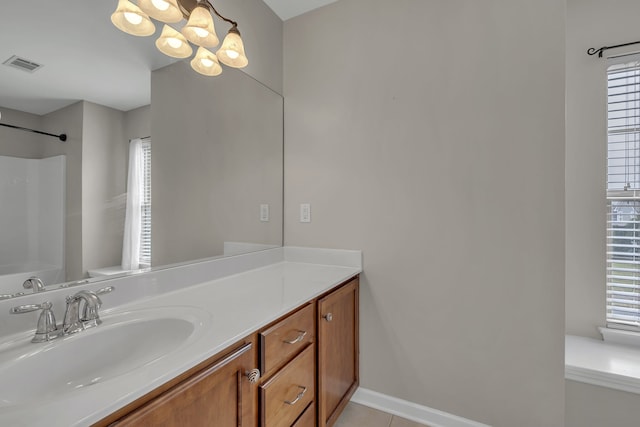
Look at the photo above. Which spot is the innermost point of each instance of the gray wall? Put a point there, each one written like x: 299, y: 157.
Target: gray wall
x: 69, y: 120
x: 216, y: 156
x: 430, y: 135
x: 593, y: 406
x: 16, y: 143
x: 137, y: 124
x: 104, y: 175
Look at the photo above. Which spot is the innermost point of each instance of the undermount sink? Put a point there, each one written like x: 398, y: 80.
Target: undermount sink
x: 123, y: 342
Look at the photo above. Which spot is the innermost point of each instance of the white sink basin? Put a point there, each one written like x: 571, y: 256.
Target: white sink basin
x: 126, y: 341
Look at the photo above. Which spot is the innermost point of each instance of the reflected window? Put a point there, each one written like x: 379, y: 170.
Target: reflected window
x: 145, y: 237
x: 136, y: 245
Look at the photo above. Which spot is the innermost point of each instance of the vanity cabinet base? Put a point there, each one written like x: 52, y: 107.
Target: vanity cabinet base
x: 310, y: 360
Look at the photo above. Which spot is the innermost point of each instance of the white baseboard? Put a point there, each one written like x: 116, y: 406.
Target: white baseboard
x: 411, y: 411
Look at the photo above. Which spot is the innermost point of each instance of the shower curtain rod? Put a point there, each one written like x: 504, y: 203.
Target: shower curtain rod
x: 61, y: 137
x: 593, y: 51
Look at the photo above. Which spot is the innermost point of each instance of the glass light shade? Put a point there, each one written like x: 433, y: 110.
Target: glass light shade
x: 231, y: 52
x: 162, y: 10
x: 173, y: 44
x: 132, y: 20
x: 206, y: 63
x: 199, y: 29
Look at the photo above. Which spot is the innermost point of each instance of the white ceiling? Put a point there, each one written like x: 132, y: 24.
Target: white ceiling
x: 84, y: 55
x: 287, y: 9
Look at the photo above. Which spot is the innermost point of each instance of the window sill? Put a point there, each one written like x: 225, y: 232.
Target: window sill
x: 603, y: 364
x: 619, y: 336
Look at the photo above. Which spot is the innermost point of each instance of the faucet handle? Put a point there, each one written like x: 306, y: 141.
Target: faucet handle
x: 90, y: 312
x: 30, y: 307
x: 105, y: 290
x: 92, y: 302
x: 47, y: 328
x: 90, y: 315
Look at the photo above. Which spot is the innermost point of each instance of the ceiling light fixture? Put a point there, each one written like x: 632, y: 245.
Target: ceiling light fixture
x: 173, y: 44
x: 162, y: 10
x: 132, y: 20
x: 232, y: 51
x: 206, y: 63
x: 199, y: 30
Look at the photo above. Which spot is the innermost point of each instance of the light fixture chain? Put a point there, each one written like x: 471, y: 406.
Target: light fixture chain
x: 213, y: 9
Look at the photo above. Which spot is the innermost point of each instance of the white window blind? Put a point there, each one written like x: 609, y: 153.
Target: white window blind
x: 623, y: 195
x: 145, y: 240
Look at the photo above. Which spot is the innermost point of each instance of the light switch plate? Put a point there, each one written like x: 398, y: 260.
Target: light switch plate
x: 264, y: 213
x: 305, y: 212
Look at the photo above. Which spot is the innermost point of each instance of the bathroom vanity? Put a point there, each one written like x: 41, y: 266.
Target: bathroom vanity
x: 222, y: 390
x: 272, y: 340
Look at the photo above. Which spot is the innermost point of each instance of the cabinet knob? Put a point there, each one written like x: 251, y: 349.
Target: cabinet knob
x: 328, y: 317
x: 253, y: 375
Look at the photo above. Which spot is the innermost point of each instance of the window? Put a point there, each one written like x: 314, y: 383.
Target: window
x: 145, y: 231
x: 623, y: 196
x: 136, y: 241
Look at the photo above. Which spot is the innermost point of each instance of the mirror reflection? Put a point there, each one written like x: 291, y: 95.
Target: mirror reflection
x: 186, y: 167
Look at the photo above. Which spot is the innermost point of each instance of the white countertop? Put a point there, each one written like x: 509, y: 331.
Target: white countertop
x: 236, y: 306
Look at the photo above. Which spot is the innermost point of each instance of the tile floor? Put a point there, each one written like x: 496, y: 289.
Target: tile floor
x: 356, y: 415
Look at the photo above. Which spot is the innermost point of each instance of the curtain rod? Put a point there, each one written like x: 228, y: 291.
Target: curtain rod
x: 61, y: 137
x: 142, y: 137
x: 593, y: 51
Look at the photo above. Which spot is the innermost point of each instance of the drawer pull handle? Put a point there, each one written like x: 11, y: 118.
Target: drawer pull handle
x: 328, y: 317
x: 298, y: 397
x: 300, y: 337
x: 253, y: 375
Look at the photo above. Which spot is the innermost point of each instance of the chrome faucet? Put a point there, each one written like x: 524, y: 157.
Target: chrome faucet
x: 74, y: 322
x: 34, y: 283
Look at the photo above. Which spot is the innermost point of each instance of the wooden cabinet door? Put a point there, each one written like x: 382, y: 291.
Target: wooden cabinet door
x: 218, y: 396
x: 338, y: 375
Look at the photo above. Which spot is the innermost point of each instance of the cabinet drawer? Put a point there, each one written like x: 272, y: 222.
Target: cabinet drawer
x: 285, y: 339
x: 286, y: 395
x: 308, y: 417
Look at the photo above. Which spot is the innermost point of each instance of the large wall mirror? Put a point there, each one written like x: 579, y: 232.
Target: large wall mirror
x: 213, y: 146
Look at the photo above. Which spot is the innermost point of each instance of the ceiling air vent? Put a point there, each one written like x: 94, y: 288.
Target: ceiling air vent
x: 22, y: 64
